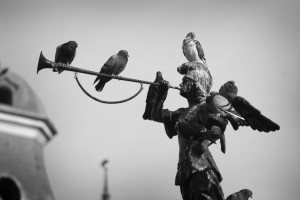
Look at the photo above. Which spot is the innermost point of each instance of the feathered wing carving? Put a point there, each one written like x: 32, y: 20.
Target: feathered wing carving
x: 253, y: 116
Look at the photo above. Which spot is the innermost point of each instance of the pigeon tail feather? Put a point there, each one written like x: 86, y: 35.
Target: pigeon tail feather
x: 99, y: 87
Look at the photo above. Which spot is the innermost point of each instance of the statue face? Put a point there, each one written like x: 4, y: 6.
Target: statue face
x: 187, y: 87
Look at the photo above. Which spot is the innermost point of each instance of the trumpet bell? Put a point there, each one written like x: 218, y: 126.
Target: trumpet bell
x: 43, y: 63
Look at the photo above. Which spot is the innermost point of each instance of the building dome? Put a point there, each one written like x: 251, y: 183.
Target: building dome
x: 24, y: 130
x: 16, y: 93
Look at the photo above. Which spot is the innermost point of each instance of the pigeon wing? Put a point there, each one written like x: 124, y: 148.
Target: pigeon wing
x: 72, y: 57
x: 232, y: 197
x: 184, y: 46
x: 253, y: 116
x: 107, y: 68
x: 57, y: 54
x: 235, y: 119
x: 200, y: 50
x: 122, y: 62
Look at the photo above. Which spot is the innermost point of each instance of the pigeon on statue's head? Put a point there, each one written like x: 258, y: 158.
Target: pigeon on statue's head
x: 192, y: 48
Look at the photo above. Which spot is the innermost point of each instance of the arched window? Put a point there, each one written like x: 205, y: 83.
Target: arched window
x: 5, y: 95
x: 9, y: 189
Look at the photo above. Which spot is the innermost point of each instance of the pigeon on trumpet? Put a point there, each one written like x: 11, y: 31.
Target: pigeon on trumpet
x: 65, y: 54
x: 113, y: 66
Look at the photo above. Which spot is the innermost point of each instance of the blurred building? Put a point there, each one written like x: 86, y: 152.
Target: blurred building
x: 24, y: 130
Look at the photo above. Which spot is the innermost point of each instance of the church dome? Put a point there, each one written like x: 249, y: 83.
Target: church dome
x: 16, y: 93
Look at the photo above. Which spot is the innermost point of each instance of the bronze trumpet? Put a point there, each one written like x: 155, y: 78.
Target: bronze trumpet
x: 45, y: 63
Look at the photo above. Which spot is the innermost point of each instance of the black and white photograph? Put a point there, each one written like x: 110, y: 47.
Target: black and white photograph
x: 149, y: 100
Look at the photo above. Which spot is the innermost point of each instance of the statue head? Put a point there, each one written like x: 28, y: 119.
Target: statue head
x: 197, y: 80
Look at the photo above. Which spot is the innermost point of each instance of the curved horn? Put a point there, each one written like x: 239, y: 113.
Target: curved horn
x: 44, y: 63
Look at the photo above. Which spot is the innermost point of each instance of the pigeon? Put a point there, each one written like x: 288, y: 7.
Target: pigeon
x: 245, y: 114
x: 65, y: 54
x: 192, y: 49
x: 240, y: 195
x: 113, y: 66
x: 229, y: 90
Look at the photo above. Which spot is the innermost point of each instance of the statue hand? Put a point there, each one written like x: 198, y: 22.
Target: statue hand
x: 159, y: 79
x: 162, y: 88
x: 155, y: 97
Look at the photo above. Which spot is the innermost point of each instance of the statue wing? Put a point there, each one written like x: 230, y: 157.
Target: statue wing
x: 253, y: 116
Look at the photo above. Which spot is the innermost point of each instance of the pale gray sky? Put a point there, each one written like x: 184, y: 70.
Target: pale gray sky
x: 254, y: 43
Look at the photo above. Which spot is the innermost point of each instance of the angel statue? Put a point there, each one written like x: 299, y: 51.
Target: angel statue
x: 199, y: 125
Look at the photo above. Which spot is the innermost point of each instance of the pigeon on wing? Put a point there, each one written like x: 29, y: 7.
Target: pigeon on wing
x: 242, y: 109
x: 113, y: 66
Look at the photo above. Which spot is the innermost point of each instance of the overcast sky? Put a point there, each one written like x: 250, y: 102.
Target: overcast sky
x: 254, y: 43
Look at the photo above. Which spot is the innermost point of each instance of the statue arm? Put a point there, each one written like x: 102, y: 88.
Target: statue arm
x: 156, y: 97
x: 154, y: 111
x: 170, y: 119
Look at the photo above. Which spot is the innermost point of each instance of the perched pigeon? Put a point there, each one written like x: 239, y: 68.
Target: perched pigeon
x: 113, y: 66
x: 241, y: 107
x: 240, y: 195
x: 229, y: 90
x: 65, y: 53
x: 192, y: 48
